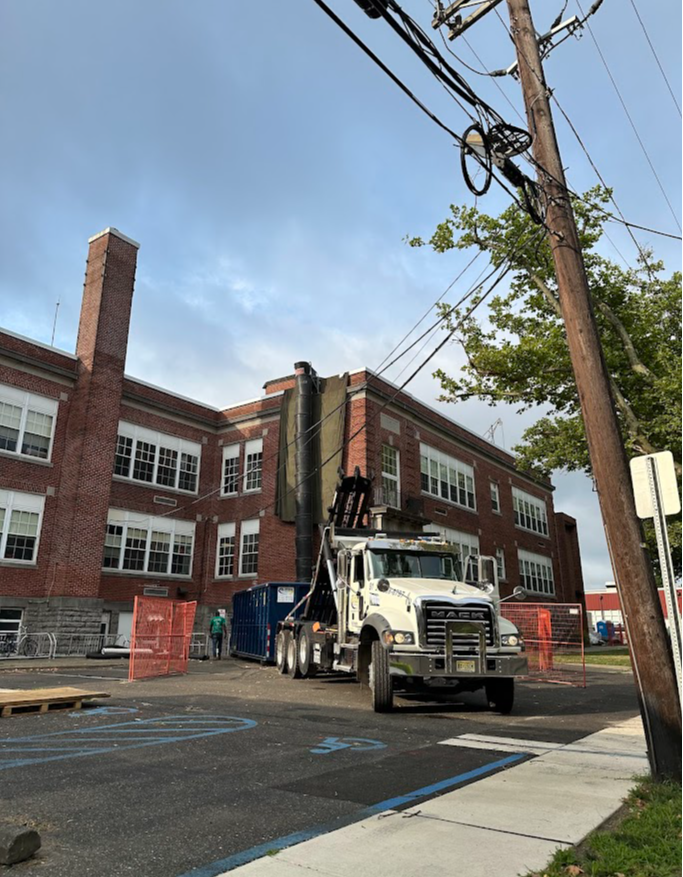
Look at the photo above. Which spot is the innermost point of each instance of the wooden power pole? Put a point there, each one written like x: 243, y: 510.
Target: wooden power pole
x: 653, y: 664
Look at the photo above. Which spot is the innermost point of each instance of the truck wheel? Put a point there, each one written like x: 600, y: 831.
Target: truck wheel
x: 293, y: 657
x: 500, y: 694
x: 281, y: 640
x: 380, y: 679
x: 306, y: 665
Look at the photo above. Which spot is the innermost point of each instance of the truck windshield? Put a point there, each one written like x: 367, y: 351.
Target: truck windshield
x: 415, y: 565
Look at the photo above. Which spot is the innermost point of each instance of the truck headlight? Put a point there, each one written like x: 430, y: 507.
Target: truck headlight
x: 511, y: 639
x: 400, y: 637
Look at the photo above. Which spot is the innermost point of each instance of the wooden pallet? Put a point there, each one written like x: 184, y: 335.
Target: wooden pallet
x: 43, y: 700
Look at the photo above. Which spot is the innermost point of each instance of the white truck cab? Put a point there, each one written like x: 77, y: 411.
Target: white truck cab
x: 400, y: 611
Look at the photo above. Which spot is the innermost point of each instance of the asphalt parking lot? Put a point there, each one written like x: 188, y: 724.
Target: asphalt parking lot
x: 168, y: 776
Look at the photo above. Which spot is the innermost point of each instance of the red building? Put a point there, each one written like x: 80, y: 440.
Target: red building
x: 111, y: 487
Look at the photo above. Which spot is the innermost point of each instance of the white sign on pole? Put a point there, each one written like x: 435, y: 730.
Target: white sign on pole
x: 668, y: 485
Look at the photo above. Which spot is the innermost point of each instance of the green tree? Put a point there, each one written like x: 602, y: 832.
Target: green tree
x: 517, y: 353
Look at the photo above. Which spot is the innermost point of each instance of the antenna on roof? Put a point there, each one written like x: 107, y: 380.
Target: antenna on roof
x: 54, y: 324
x: 490, y: 433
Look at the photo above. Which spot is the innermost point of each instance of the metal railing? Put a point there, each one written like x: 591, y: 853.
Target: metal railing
x: 79, y: 644
x: 21, y: 644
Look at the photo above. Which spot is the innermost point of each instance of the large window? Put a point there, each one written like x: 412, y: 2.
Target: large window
x: 466, y: 543
x: 20, y: 520
x: 253, y: 463
x: 231, y: 470
x: 536, y: 573
x: 529, y: 512
x: 26, y: 422
x: 391, y: 486
x: 156, y: 458
x: 139, y: 543
x: 249, y: 542
x: 225, y: 556
x: 446, y: 477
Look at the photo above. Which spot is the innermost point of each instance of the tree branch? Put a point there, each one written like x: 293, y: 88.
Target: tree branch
x: 634, y: 360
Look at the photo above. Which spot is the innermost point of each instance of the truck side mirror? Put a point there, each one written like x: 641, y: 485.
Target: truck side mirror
x: 520, y: 593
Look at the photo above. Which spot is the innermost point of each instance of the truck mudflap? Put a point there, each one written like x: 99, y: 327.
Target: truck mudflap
x: 449, y: 663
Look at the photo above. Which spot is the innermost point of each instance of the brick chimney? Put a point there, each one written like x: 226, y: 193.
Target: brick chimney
x: 86, y: 473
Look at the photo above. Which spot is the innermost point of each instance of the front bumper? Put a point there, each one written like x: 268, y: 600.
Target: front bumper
x: 427, y: 664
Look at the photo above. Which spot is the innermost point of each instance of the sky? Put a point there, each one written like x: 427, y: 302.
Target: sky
x: 271, y: 172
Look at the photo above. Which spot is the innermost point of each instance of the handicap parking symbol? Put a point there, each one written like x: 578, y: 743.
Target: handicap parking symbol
x: 359, y: 744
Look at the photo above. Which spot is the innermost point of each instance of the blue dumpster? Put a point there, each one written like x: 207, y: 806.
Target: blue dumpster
x: 256, y: 613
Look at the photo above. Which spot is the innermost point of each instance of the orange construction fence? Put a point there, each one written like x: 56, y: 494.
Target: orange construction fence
x: 553, y: 635
x: 160, y: 641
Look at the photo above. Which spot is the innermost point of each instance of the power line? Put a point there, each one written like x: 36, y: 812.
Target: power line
x: 656, y: 56
x: 630, y: 119
x: 621, y: 219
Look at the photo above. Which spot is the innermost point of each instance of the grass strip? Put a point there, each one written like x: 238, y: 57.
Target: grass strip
x: 642, y: 840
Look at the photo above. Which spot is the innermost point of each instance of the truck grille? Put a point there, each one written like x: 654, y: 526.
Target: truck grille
x: 437, y: 614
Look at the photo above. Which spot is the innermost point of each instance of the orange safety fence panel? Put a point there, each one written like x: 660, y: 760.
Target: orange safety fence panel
x: 553, y: 636
x: 160, y: 640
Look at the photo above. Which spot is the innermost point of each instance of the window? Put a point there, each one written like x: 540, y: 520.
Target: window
x: 500, y: 564
x: 10, y: 622
x: 138, y: 543
x: 231, y: 470
x: 123, y: 456
x: 529, y: 512
x: 536, y: 573
x: 249, y: 548
x: 156, y: 458
x: 159, y: 549
x: 466, y: 543
x: 20, y: 520
x: 26, y: 422
x: 446, y: 477
x: 145, y: 458
x: 495, y: 497
x: 253, y: 461
x: 225, y: 557
x: 391, y: 491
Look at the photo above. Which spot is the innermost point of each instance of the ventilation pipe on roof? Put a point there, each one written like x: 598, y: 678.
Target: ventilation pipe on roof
x: 304, y: 447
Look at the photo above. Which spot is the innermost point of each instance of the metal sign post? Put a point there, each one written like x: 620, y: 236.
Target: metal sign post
x: 656, y: 494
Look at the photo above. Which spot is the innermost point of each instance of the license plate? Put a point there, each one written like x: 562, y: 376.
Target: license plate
x: 465, y: 666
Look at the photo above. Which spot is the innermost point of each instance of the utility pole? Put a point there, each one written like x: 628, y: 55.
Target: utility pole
x: 653, y: 665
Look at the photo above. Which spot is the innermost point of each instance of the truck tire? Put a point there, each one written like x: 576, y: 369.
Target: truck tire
x: 380, y: 679
x: 281, y: 640
x: 293, y: 657
x: 500, y: 694
x: 306, y: 665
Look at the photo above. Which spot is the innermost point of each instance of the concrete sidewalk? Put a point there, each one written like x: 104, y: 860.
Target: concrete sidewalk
x: 506, y: 824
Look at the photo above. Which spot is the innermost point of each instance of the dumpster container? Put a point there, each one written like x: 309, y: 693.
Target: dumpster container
x: 256, y: 613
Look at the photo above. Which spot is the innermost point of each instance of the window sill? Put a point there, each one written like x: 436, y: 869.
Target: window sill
x: 497, y: 512
x: 532, y: 532
x: 449, y: 502
x: 146, y: 575
x: 228, y: 495
x: 248, y: 575
x: 246, y: 492
x: 160, y: 488
x: 19, y: 564
x: 25, y: 458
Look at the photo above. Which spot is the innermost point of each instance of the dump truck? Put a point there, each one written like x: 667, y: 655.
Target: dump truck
x: 400, y: 611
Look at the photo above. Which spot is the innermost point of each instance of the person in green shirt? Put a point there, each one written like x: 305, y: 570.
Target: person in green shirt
x: 217, y: 628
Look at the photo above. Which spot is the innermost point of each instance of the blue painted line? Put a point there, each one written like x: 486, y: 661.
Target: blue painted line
x: 229, y: 863
x: 70, y: 743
